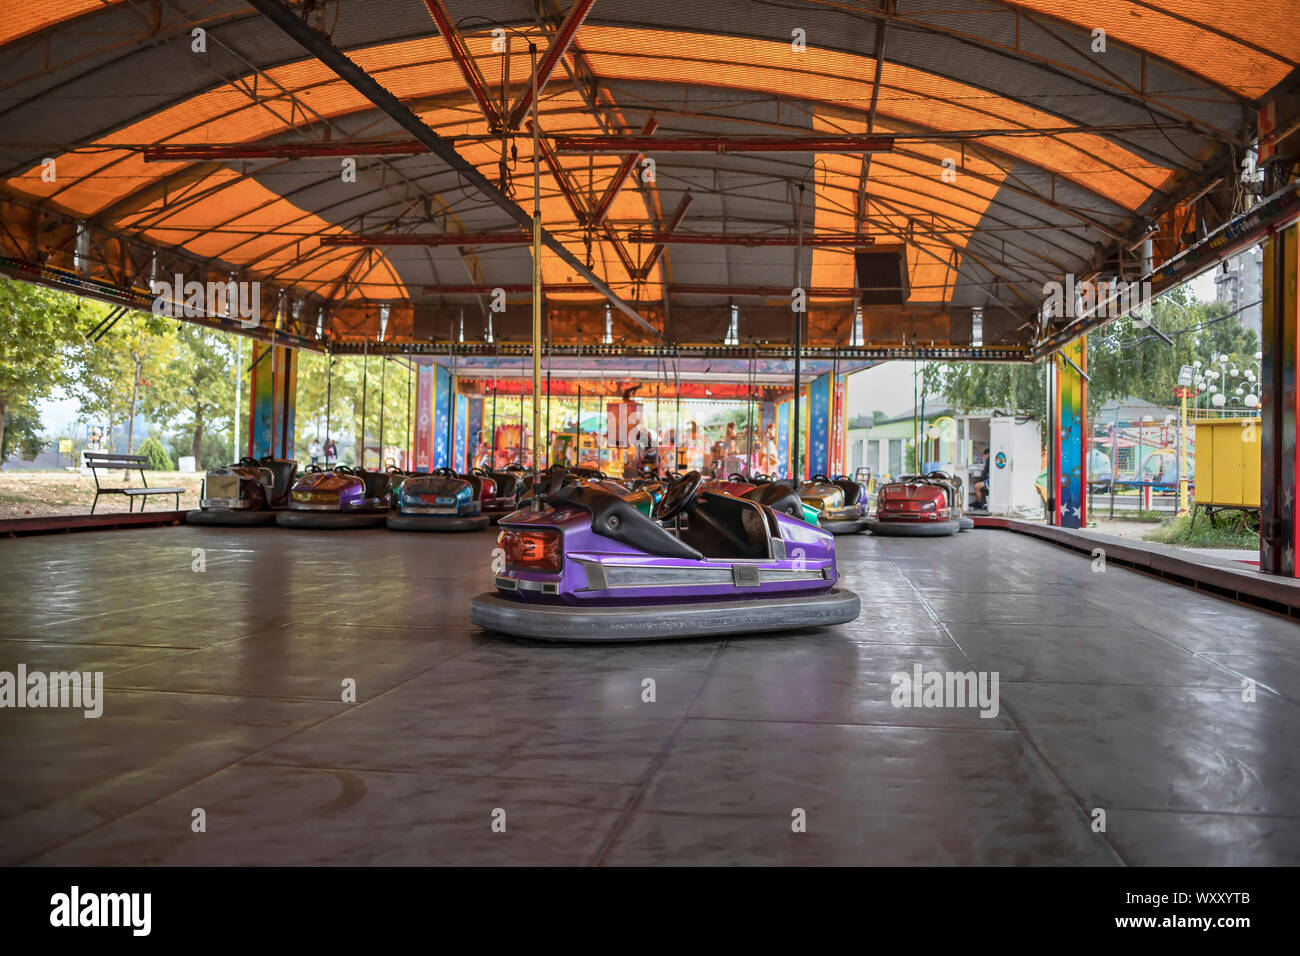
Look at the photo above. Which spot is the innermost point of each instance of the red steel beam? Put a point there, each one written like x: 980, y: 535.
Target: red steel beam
x: 392, y: 147
x: 579, y: 206
x: 464, y: 61
x: 620, y: 176
x: 613, y: 387
x: 584, y: 144
x: 441, y: 239
x: 508, y: 289
x: 671, y: 237
x: 559, y: 46
x: 676, y: 220
x: 768, y: 291
x: 561, y: 177
x: 761, y: 291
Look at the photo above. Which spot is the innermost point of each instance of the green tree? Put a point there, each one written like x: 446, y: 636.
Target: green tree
x: 191, y: 391
x: 996, y: 387
x: 153, y: 450
x: 22, y: 432
x: 42, y: 328
x: 1127, y: 357
x: 112, y: 372
x: 333, y: 396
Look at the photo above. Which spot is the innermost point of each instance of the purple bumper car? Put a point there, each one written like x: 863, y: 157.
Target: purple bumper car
x: 338, y: 498
x: 591, y: 567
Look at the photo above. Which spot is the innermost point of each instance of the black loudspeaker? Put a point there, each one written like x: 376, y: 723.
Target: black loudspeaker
x: 423, y: 318
x: 882, y: 275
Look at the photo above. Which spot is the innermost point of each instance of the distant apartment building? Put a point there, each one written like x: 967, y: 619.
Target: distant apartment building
x: 1240, y: 283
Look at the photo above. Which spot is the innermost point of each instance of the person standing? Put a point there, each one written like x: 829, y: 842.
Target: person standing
x: 331, y: 453
x: 313, y: 450
x: 982, y: 483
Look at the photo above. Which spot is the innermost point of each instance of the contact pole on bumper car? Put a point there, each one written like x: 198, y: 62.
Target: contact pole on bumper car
x: 537, y: 290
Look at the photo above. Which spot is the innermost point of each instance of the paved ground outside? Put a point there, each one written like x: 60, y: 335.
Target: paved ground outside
x: 34, y: 494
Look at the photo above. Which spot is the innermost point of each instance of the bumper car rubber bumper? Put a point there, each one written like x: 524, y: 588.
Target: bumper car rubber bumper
x: 230, y: 517
x: 655, y: 622
x: 330, y: 520
x: 967, y: 524
x: 913, y: 529
x: 401, y: 522
x: 843, y: 525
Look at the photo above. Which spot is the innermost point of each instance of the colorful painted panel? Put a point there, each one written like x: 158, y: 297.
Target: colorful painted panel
x: 424, y: 418
x: 1070, y: 429
x: 459, y: 433
x: 819, y: 426
x: 782, y: 469
x: 474, y: 431
x: 441, y: 416
x: 285, y: 412
x: 839, y: 433
x: 261, y: 405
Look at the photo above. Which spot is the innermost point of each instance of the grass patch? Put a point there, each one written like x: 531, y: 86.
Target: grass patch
x: 1180, y: 532
x: 1100, y: 512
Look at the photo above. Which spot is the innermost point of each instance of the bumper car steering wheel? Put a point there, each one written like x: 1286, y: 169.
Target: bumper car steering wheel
x: 680, y: 497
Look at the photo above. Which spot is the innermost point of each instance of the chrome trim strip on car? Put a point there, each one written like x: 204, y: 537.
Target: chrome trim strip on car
x: 225, y: 504
x: 367, y: 504
x: 742, y: 573
x: 595, y: 572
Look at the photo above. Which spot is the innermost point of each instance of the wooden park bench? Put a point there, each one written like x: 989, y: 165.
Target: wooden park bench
x: 98, y: 461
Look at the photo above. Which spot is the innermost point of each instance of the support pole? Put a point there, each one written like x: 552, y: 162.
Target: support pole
x: 239, y: 388
x: 1279, y: 403
x: 451, y: 404
x: 749, y: 416
x: 383, y: 378
x: 1182, y: 452
x: 537, y: 290
x: 577, y: 436
x: 547, y: 443
x: 677, y: 426
x: 496, y: 358
x: 797, y: 438
x: 329, y: 383
x: 365, y: 372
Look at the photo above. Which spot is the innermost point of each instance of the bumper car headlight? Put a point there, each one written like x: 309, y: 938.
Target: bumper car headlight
x: 315, y: 497
x: 533, y: 550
